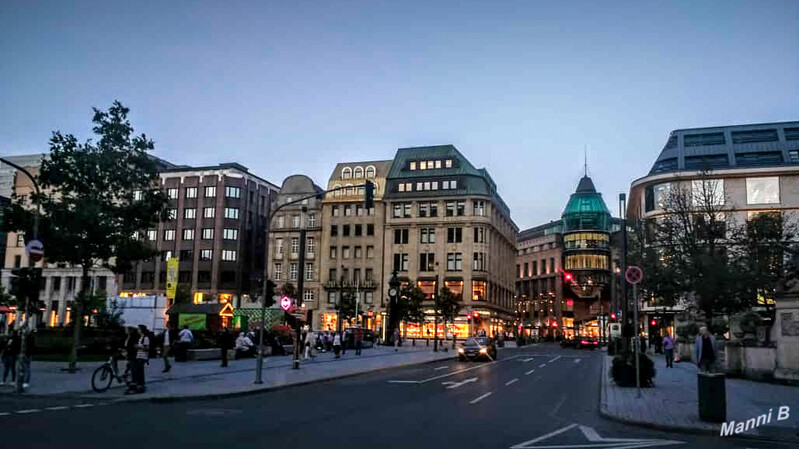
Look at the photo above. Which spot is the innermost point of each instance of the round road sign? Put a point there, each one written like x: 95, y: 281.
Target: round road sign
x: 35, y: 250
x: 633, y: 274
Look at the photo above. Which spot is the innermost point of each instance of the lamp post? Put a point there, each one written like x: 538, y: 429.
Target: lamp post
x: 393, y: 297
x: 626, y: 329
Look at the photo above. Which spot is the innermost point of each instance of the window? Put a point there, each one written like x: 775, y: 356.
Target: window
x: 423, y: 165
x: 358, y: 173
x: 359, y: 210
x: 707, y: 192
x: 526, y: 271
x: 17, y: 261
x: 665, y: 165
x: 427, y: 262
x: 310, y: 246
x: 279, y: 247
x: 209, y: 212
x: 370, y: 229
x: 295, y: 221
x: 534, y: 271
x: 228, y: 255
x: 335, y: 211
x: 758, y: 159
x: 427, y: 235
x: 295, y: 246
x: 479, y: 262
x: 172, y: 194
x: 186, y: 255
x: 208, y: 234
x: 308, y: 271
x: 331, y: 297
x: 333, y: 252
x: 543, y: 266
x: 345, y: 230
x: 586, y: 240
x: 551, y: 265
x: 369, y: 274
x: 454, y: 235
x: 206, y: 254
x: 232, y: 212
x: 454, y: 261
x: 345, y: 252
x: 190, y: 213
x: 460, y: 208
x: 763, y: 190
x: 346, y: 173
x: 655, y: 196
x: 479, y: 290
x: 281, y: 221
x: 152, y: 235
x: 188, y: 234
x: 586, y: 262
x: 793, y: 156
x: 21, y: 239
x: 332, y: 275
x: 171, y: 214
x: 230, y: 234
x: 333, y: 230
x: 191, y: 192
x: 448, y: 163
x: 370, y: 252
x: 451, y: 207
x: 710, y: 161
x: 358, y: 230
x: 370, y: 172
x: 402, y: 210
x: 751, y: 136
x: 401, y: 262
x: 697, y: 140
x: 210, y: 191
x: 169, y: 234
x: 232, y: 192
x: 401, y: 187
x: 358, y: 252
x: 293, y: 271
x: 413, y: 165
x: 401, y: 236
x: 347, y: 211
x: 278, y: 271
x: 479, y: 208
x: 479, y: 235
x: 312, y: 220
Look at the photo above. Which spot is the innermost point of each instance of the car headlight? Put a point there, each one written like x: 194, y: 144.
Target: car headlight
x: 460, y: 350
x: 483, y: 350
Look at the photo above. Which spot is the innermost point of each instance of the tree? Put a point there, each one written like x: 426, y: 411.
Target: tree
x: 411, y: 308
x: 447, y: 305
x: 99, y: 197
x: 346, y: 305
x: 109, y: 314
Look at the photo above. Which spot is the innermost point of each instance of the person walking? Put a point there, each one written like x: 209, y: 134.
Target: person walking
x: 225, y: 344
x: 141, y: 359
x: 185, y: 338
x: 668, y: 347
x: 337, y: 345
x: 396, y: 340
x: 30, y: 351
x: 345, y: 339
x: 310, y: 342
x: 166, y: 348
x: 10, y: 354
x: 706, y: 353
x: 358, y: 340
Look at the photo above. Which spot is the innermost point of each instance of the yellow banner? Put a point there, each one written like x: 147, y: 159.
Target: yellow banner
x: 171, y: 278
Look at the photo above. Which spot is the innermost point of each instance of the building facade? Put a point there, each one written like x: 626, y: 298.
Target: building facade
x: 352, y: 243
x: 446, y: 226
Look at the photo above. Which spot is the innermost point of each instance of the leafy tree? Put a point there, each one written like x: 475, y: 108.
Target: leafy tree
x: 109, y: 314
x: 98, y: 199
x: 346, y: 305
x: 447, y: 305
x: 411, y: 307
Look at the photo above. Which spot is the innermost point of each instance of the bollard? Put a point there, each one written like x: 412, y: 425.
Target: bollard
x: 413, y: 342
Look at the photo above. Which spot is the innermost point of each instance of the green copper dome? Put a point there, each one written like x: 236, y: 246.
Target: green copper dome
x: 586, y: 210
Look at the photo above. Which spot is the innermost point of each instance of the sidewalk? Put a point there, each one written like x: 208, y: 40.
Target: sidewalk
x: 208, y: 378
x: 672, y: 403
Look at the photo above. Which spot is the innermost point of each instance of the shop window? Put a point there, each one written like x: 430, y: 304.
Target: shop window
x: 479, y: 290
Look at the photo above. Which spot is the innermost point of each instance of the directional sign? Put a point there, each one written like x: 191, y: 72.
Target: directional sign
x: 285, y: 303
x: 35, y: 250
x: 633, y: 274
x: 451, y: 385
x: 588, y: 438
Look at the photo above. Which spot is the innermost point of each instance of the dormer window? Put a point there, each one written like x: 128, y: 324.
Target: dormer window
x: 413, y: 165
x: 423, y: 165
x: 346, y: 173
x: 358, y: 172
x: 370, y: 172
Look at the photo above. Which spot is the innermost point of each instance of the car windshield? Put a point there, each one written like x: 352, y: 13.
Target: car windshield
x: 476, y: 341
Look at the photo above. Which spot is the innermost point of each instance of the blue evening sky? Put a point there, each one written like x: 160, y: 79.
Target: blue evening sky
x: 520, y: 87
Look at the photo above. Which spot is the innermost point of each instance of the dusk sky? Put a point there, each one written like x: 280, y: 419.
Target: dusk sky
x: 519, y: 87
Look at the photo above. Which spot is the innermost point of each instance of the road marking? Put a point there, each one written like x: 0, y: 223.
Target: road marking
x: 458, y: 384
x: 591, y: 436
x: 403, y: 381
x: 528, y: 359
x: 480, y: 398
x: 542, y: 365
x: 577, y: 360
x: 60, y: 407
x: 30, y: 410
x: 558, y: 405
x: 554, y: 359
x: 511, y: 381
x: 4, y: 413
x: 529, y: 372
x: 442, y: 376
x: 83, y: 405
x: 440, y: 368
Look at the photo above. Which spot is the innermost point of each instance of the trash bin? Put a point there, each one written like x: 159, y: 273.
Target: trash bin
x: 712, y: 391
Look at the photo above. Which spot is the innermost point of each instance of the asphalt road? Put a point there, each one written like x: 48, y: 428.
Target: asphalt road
x: 539, y: 396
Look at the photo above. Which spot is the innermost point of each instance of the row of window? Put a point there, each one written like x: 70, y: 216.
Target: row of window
x: 351, y: 209
x: 430, y: 164
x: 188, y: 234
x: 427, y: 185
x: 187, y: 255
x: 203, y: 276
x: 356, y: 275
x: 358, y: 172
x: 190, y: 213
x: 357, y: 230
x: 295, y: 221
x: 357, y: 250
x: 209, y: 192
x: 368, y: 297
x: 428, y: 235
x: 751, y: 159
x: 545, y: 269
x: 427, y: 261
x: 761, y: 190
x: 310, y: 246
x: 293, y: 271
x: 430, y: 209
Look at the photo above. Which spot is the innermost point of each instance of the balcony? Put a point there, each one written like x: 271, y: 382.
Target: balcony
x: 363, y: 285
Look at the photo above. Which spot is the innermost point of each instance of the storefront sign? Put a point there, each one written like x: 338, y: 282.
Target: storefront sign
x: 195, y: 321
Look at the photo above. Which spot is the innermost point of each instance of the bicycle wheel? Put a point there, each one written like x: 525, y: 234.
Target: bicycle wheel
x: 102, y: 378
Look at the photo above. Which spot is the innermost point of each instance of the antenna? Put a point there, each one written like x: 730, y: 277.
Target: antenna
x: 585, y: 152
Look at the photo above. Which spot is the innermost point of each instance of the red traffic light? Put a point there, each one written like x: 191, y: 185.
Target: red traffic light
x: 554, y: 324
x: 476, y: 315
x: 567, y: 276
x: 653, y: 323
x: 612, y: 316
x: 569, y: 303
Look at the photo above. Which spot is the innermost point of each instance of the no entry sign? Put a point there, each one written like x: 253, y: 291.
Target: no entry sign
x: 633, y: 274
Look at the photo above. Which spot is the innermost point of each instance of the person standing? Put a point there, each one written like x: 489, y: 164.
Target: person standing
x: 358, y: 340
x: 337, y: 345
x: 30, y: 351
x: 142, y: 358
x: 345, y: 339
x: 10, y: 354
x: 185, y: 337
x: 166, y: 348
x: 396, y: 340
x: 225, y: 344
x: 706, y: 353
x: 309, y: 344
x: 668, y: 347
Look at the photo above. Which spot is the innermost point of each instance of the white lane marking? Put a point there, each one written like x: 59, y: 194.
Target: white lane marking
x: 554, y: 359
x: 529, y: 372
x: 466, y: 369
x: 480, y: 398
x: 592, y: 437
x: 4, y: 413
x: 83, y: 405
x: 528, y: 359
x: 577, y: 360
x: 558, y: 406
x: 30, y: 410
x: 544, y: 437
x: 403, y: 381
x: 440, y: 368
x: 511, y: 381
x: 458, y: 384
x: 60, y: 407
x: 542, y: 365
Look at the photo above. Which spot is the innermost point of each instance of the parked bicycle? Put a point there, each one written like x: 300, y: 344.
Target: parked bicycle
x: 106, y: 373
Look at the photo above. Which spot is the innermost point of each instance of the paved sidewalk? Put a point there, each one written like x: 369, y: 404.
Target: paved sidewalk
x: 672, y: 403
x: 208, y: 378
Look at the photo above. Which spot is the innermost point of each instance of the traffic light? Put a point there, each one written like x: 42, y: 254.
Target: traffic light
x: 269, y: 300
x: 653, y: 323
x: 613, y: 315
x: 24, y: 284
x: 369, y: 197
x: 554, y: 324
x: 567, y: 276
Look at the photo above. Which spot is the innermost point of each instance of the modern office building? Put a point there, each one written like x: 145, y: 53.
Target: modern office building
x: 352, y: 243
x: 447, y: 226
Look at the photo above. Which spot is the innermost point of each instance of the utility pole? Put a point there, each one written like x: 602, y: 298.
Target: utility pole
x: 625, y: 314
x: 435, y: 313
x: 300, y: 289
x: 264, y: 300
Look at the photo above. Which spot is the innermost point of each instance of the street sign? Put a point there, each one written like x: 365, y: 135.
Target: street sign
x: 35, y: 250
x: 633, y: 274
x: 285, y: 303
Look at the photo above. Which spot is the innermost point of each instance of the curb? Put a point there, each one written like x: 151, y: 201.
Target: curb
x: 604, y: 413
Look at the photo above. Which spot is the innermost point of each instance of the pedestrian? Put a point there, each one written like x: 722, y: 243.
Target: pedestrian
x: 668, y: 347
x: 166, y: 347
x: 185, y: 338
x: 706, y: 353
x: 30, y: 350
x: 225, y: 344
x: 244, y: 346
x: 328, y: 342
x: 310, y: 342
x: 345, y: 341
x: 142, y: 358
x: 10, y: 354
x: 130, y: 351
x: 337, y: 344
x: 358, y: 340
x: 396, y: 339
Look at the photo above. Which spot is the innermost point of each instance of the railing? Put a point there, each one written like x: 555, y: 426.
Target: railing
x: 363, y: 285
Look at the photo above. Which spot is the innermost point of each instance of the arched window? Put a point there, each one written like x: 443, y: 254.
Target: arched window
x: 346, y: 173
x: 370, y: 172
x: 337, y: 192
x: 349, y: 190
x: 358, y: 172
